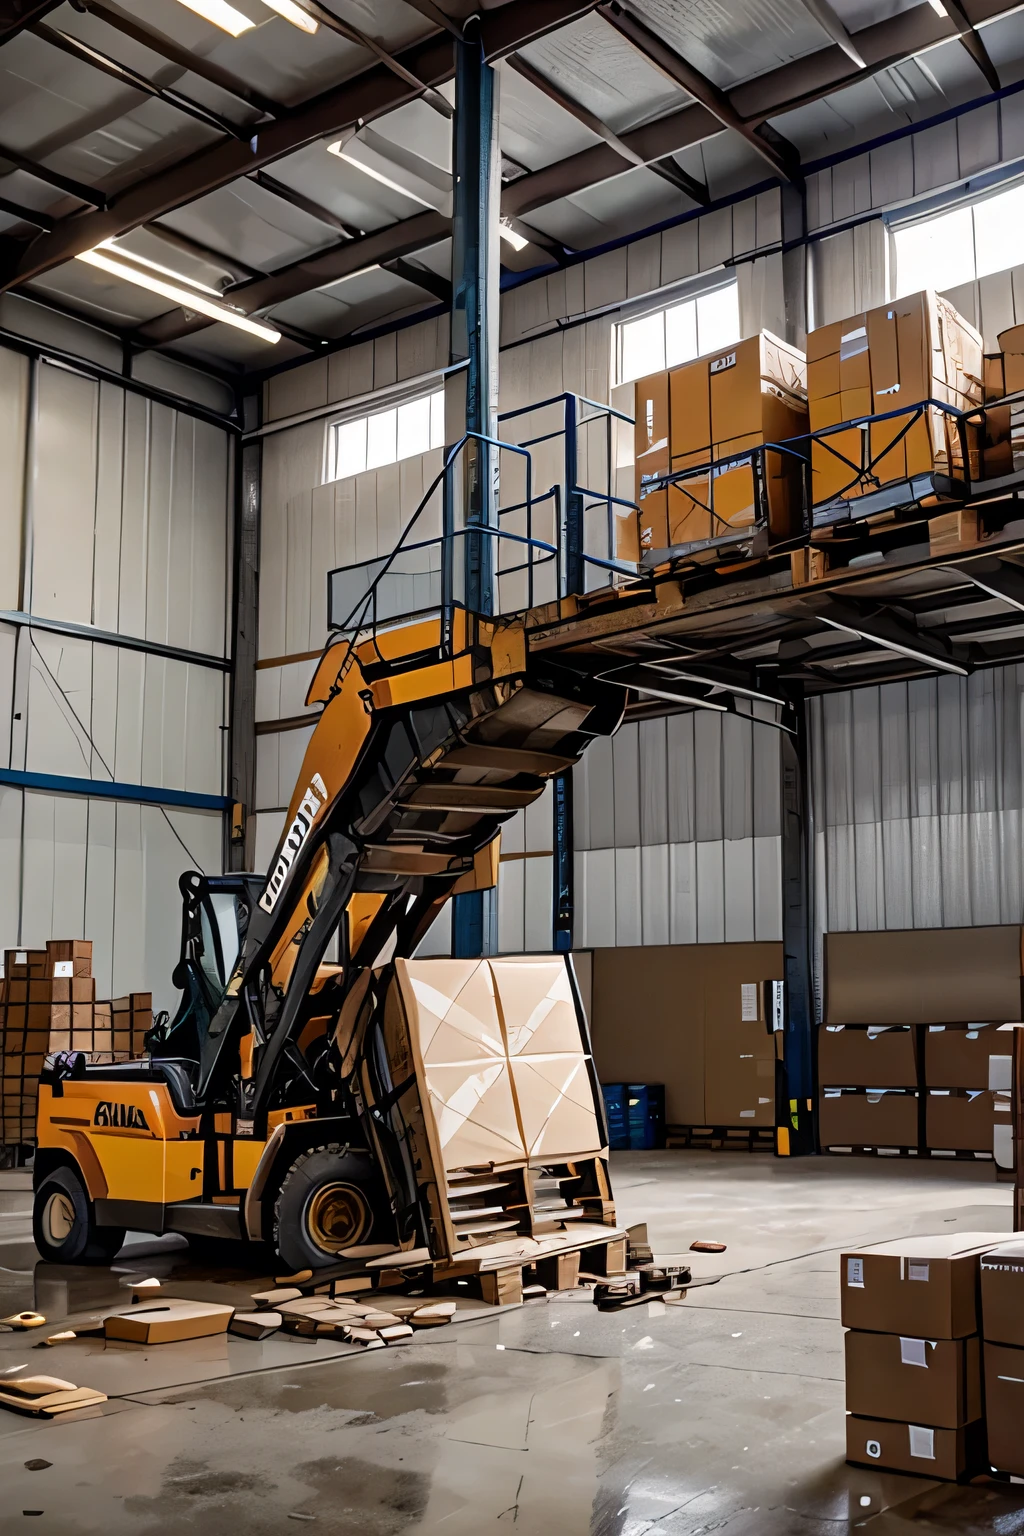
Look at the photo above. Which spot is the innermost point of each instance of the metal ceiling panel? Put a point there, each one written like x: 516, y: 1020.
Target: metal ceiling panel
x: 731, y: 40
x: 596, y: 66
x: 855, y: 14
x: 361, y: 300
x: 534, y: 130
x: 245, y: 221
x: 96, y: 295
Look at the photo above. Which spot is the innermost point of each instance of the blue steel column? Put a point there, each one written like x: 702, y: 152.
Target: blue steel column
x: 796, y: 1109
x: 474, y: 341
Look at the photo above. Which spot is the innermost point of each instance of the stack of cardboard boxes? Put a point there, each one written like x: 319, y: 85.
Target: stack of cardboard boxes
x: 968, y: 1072
x: 1004, y: 424
x: 899, y: 355
x: 913, y: 1355
x: 1002, y: 1317
x: 47, y: 1004
x: 868, y: 1077
x: 710, y: 410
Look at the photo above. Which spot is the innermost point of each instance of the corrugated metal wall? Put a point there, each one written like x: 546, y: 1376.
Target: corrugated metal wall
x: 115, y: 513
x: 677, y: 832
x: 918, y: 796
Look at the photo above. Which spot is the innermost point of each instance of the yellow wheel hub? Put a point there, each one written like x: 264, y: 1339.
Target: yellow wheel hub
x: 337, y: 1216
x: 58, y: 1218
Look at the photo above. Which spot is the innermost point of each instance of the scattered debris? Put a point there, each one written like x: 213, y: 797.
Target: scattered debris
x: 19, y: 1320
x: 37, y: 1464
x: 140, y: 1287
x: 57, y: 1338
x: 169, y: 1322
x: 46, y: 1396
x: 433, y: 1315
x: 702, y: 1247
x: 350, y: 1285
x: 299, y: 1278
x: 395, y: 1331
x: 255, y: 1325
x: 296, y: 1514
x: 275, y: 1298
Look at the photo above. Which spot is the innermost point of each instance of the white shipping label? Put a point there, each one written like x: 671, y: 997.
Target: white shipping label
x: 917, y: 1272
x: 912, y: 1352
x: 748, y: 1002
x: 747, y: 1114
x: 1000, y: 1074
x: 63, y: 967
x: 855, y: 1272
x: 20, y: 957
x: 922, y: 1442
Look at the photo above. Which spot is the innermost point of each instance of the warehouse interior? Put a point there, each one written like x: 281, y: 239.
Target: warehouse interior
x: 511, y: 677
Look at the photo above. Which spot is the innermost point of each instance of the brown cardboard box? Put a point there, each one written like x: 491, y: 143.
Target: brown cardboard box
x: 961, y: 1119
x: 957, y: 1055
x: 73, y: 989
x: 923, y: 975
x: 76, y: 952
x: 166, y: 1322
x: 916, y: 1286
x: 652, y: 457
x: 946, y: 1454
x: 807, y: 565
x: 1002, y: 1294
x: 921, y: 1381
x: 877, y: 1117
x: 905, y: 352
x: 20, y: 964
x: 1011, y: 345
x: 867, y: 1056
x: 1004, y: 1407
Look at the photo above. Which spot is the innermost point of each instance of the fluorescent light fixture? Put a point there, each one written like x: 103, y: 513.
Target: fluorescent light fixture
x: 221, y: 14
x: 144, y: 261
x: 180, y: 295
x: 293, y: 13
x: 516, y: 241
x: 938, y: 7
x: 340, y: 149
x: 938, y: 662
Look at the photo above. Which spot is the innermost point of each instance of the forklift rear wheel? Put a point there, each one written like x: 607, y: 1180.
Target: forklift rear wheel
x: 64, y: 1223
x: 325, y: 1205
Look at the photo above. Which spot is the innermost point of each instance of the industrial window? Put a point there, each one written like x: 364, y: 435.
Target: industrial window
x: 960, y: 244
x: 384, y: 437
x: 677, y: 333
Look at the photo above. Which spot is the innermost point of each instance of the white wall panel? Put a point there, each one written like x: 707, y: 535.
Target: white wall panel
x: 14, y: 392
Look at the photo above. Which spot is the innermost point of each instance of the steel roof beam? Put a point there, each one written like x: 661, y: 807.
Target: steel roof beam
x: 306, y: 204
x: 368, y: 95
x: 779, y: 154
x: 352, y: 34
x: 76, y: 189
x: 972, y: 42
x: 887, y: 630
x: 16, y: 15
x: 827, y: 18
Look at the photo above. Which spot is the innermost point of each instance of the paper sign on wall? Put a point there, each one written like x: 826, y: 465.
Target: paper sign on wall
x: 749, y: 1011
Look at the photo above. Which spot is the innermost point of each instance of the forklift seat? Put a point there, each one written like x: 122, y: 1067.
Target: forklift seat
x: 176, y: 1074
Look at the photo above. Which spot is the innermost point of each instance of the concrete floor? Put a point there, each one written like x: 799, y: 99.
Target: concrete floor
x: 724, y: 1415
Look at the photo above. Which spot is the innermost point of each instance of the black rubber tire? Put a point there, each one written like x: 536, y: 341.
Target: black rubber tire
x: 62, y: 1201
x: 323, y: 1174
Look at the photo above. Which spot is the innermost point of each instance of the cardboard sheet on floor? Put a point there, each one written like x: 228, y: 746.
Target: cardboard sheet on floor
x: 46, y: 1396
x: 168, y: 1322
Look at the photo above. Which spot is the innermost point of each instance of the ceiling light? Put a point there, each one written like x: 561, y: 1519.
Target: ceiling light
x: 938, y: 7
x: 221, y: 14
x: 516, y: 241
x: 180, y: 295
x: 293, y: 13
x: 144, y: 261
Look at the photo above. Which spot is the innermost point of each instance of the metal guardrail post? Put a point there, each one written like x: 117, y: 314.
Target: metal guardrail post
x: 572, y: 543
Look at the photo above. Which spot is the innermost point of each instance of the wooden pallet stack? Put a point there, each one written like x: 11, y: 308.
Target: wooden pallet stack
x: 47, y: 1004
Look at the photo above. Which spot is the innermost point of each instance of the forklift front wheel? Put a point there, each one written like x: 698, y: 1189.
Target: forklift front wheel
x: 64, y: 1223
x: 325, y: 1205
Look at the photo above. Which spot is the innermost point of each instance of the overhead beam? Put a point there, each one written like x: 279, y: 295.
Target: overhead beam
x: 157, y: 43
x: 16, y: 15
x: 241, y: 271
x: 307, y: 204
x: 412, y: 272
x: 76, y: 189
x: 884, y: 629
x: 319, y: 271
x: 27, y: 215
x: 776, y: 152
x: 435, y: 14
x: 827, y: 18
x: 668, y: 170
x: 354, y: 35
x: 995, y: 578
x: 368, y: 95
x: 972, y: 42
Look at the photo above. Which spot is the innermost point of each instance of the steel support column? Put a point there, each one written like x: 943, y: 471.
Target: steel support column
x: 474, y: 342
x: 796, y: 1118
x: 564, y: 895
x: 242, y: 767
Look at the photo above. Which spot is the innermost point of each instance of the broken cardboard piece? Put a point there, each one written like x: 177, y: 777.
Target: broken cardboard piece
x: 700, y: 1246
x: 276, y: 1297
x: 21, y: 1320
x: 46, y: 1396
x: 255, y: 1325
x: 168, y: 1322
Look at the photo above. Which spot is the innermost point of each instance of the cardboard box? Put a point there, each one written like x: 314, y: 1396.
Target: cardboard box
x: 923, y: 975
x: 918, y: 1286
x: 76, y: 952
x: 962, y: 1119
x: 946, y: 1454
x: 652, y: 457
x: 921, y: 1381
x: 1011, y: 346
x: 876, y: 1117
x: 957, y: 1055
x: 867, y: 1056
x: 908, y: 351
x: 1002, y: 1294
x: 166, y: 1322
x: 1004, y: 1407
x: 807, y: 565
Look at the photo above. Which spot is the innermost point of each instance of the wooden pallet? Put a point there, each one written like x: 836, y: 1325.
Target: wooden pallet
x: 555, y: 1258
x: 721, y: 1138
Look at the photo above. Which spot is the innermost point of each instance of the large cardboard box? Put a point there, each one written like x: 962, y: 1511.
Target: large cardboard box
x: 921, y: 1381
x: 168, y: 1322
x: 867, y: 1056
x: 958, y: 1055
x: 923, y: 975
x: 1002, y: 1294
x: 1004, y: 1407
x: 946, y: 1454
x: 963, y: 1119
x: 875, y: 1117
x: 917, y: 1286
x: 906, y: 352
x: 721, y: 405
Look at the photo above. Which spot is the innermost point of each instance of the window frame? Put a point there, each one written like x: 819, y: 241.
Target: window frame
x: 370, y: 406
x: 963, y: 199
x: 697, y: 287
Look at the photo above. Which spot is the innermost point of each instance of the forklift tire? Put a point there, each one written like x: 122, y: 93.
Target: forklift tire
x: 325, y: 1204
x: 64, y: 1223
